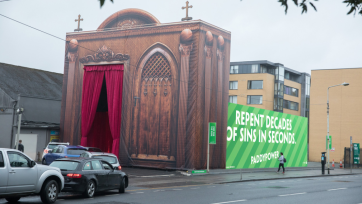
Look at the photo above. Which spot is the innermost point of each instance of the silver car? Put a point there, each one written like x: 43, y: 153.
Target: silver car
x: 108, y: 157
x: 20, y: 176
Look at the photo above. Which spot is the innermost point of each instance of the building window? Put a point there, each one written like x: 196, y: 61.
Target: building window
x: 278, y: 104
x: 255, y: 84
x: 279, y: 89
x: 263, y: 69
x: 291, y: 105
x: 307, y: 114
x: 307, y: 85
x: 249, y: 68
x: 291, y: 76
x: 291, y: 91
x: 234, y: 69
x: 233, y: 85
x: 307, y: 103
x: 255, y: 99
x: 233, y: 99
x: 279, y: 73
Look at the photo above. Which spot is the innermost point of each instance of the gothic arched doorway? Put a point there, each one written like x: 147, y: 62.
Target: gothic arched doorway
x: 152, y: 136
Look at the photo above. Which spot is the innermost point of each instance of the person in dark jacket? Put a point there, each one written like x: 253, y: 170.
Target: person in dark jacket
x: 20, y: 146
x: 281, y: 162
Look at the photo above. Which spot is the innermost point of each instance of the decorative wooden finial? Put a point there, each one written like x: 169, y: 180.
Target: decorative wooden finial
x: 79, y: 19
x: 187, y: 18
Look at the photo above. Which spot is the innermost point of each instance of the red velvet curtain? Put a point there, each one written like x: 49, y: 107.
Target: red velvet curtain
x: 92, y: 85
x: 91, y: 91
x: 114, y: 82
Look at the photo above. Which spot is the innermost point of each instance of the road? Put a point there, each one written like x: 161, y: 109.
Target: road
x: 333, y: 189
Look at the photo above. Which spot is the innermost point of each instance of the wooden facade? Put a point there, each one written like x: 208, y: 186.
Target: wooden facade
x: 176, y: 79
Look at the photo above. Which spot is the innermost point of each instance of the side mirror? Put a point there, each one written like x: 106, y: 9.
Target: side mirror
x: 32, y: 163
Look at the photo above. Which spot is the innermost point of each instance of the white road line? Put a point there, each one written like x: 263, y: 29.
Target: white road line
x: 195, y: 188
x: 234, y: 201
x: 336, y: 189
x: 293, y: 194
x: 177, y: 189
x: 211, y: 186
x: 153, y: 176
x: 158, y: 191
x: 136, y: 192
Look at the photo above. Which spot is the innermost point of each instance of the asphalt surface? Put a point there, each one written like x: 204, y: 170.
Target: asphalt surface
x: 345, y: 189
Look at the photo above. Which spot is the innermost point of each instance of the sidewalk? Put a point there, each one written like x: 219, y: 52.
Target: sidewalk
x: 146, y: 178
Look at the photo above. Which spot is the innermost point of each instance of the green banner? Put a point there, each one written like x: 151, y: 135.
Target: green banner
x: 212, y: 133
x: 256, y: 137
x: 356, y: 153
x: 330, y: 142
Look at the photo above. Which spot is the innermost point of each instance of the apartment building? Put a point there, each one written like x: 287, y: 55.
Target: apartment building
x: 271, y: 86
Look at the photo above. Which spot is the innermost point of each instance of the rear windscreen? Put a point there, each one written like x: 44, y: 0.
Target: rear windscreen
x: 52, y: 146
x: 65, y: 165
x: 111, y: 160
x: 75, y: 151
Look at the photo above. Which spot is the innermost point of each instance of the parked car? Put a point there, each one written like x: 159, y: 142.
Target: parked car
x: 20, y: 176
x: 62, y: 151
x: 109, y: 157
x: 51, y: 146
x: 90, y: 175
x: 93, y: 149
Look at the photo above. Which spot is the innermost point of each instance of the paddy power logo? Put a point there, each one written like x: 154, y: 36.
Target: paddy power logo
x: 255, y: 138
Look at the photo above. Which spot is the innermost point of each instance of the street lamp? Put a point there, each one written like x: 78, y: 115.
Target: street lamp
x: 19, y: 111
x: 343, y: 84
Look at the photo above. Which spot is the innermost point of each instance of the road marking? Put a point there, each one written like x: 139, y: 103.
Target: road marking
x: 234, y: 201
x: 154, y: 176
x: 136, y: 192
x: 293, y: 194
x: 195, y: 188
x: 158, y: 191
x: 177, y: 189
x: 211, y: 186
x: 336, y: 189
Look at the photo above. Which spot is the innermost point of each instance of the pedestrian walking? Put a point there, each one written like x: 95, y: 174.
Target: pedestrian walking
x: 20, y: 146
x: 281, y: 162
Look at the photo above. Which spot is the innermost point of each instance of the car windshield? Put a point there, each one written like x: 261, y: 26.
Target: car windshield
x: 109, y: 159
x: 65, y: 165
x: 93, y: 149
x: 52, y: 146
x: 75, y: 151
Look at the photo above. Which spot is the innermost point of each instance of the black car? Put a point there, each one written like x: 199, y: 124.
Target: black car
x: 90, y: 175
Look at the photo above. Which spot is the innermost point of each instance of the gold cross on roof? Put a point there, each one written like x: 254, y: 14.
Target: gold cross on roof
x: 187, y: 18
x: 79, y: 19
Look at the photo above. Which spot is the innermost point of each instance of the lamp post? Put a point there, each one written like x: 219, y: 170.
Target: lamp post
x: 19, y: 111
x: 343, y: 84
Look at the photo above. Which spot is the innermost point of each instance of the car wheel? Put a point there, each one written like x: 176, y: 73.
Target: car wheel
x: 49, y: 193
x: 122, y: 187
x: 44, y: 162
x: 13, y: 199
x: 90, y: 190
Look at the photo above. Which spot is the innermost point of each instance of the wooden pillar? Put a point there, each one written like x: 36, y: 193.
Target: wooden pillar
x: 72, y: 58
x: 185, y: 50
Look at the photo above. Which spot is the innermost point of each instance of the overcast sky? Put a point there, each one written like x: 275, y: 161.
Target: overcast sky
x: 259, y: 30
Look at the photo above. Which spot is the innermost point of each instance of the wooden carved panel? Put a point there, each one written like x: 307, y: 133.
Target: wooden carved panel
x: 154, y: 111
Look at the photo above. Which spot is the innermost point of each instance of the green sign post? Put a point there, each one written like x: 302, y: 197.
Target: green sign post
x: 356, y: 153
x: 212, y: 140
x: 330, y: 142
x: 212, y: 133
x: 256, y: 137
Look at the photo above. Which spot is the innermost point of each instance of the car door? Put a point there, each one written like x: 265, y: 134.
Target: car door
x: 49, y: 158
x: 100, y: 174
x: 3, y: 174
x: 22, y: 177
x: 113, y: 176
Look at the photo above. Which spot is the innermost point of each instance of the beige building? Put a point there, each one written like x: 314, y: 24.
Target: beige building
x: 345, y: 116
x: 270, y: 86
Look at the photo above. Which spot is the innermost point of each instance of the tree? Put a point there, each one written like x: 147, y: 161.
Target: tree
x: 355, y: 5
